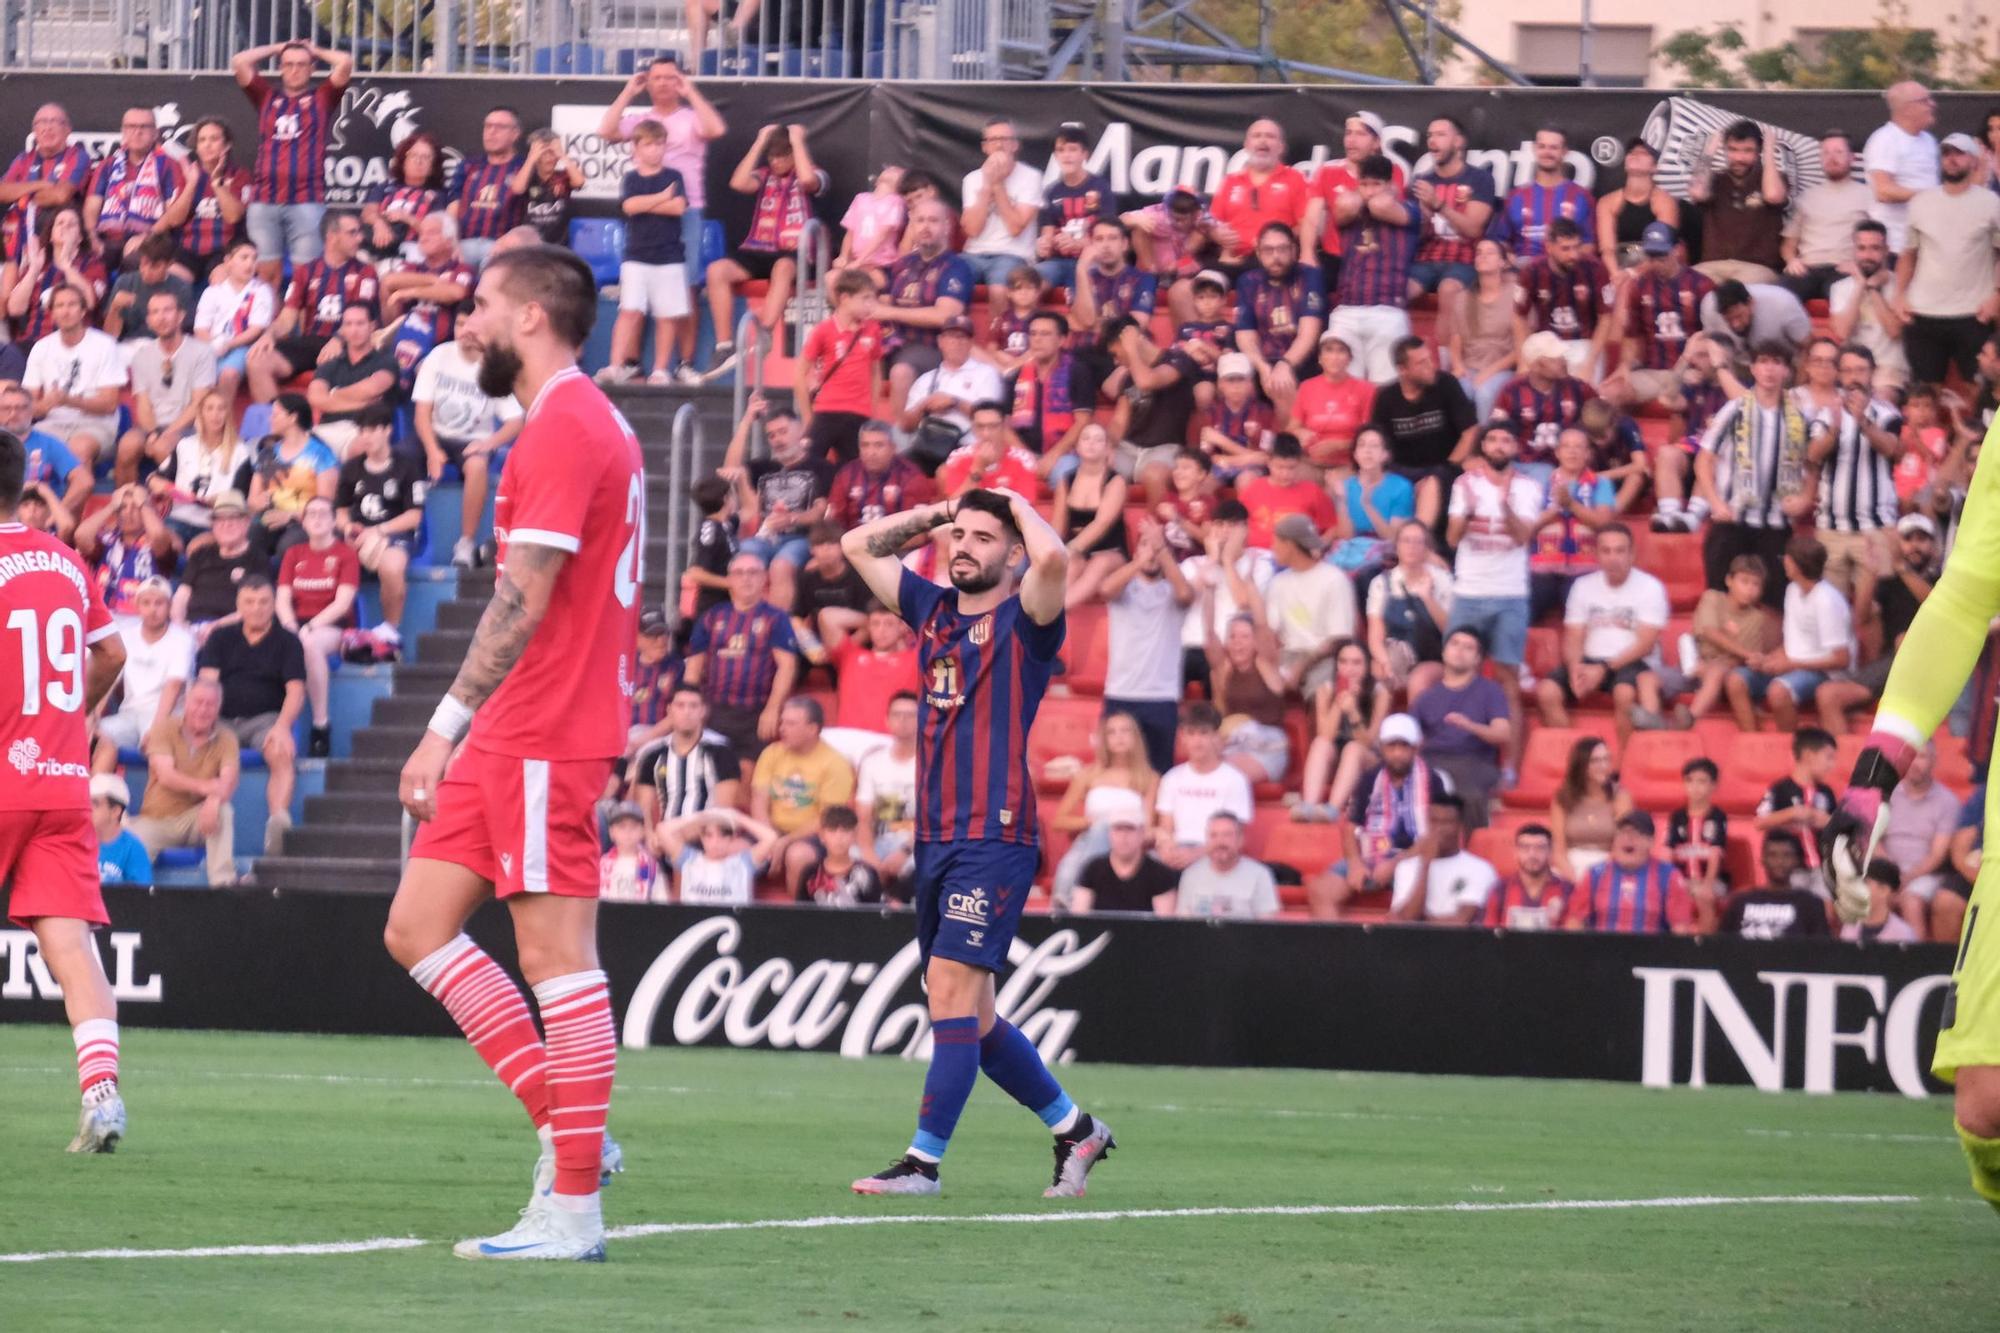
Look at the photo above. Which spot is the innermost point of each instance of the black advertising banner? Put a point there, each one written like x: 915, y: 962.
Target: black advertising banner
x: 1146, y: 137
x: 1802, y: 1015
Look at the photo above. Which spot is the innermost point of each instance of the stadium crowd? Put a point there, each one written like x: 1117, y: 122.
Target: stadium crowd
x: 1418, y: 507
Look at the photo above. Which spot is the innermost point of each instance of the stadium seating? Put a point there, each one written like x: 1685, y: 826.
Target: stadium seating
x: 1752, y: 764
x: 1650, y: 768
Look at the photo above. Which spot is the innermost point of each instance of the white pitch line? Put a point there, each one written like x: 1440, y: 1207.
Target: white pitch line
x: 227, y: 1251
x: 1015, y: 1219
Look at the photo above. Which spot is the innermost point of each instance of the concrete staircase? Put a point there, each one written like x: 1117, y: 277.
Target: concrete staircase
x: 351, y: 838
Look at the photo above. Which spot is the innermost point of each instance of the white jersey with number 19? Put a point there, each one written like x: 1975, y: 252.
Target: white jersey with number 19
x: 575, y: 482
x: 50, y: 613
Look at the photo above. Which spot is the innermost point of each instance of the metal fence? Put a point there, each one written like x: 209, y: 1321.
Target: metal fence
x: 872, y: 39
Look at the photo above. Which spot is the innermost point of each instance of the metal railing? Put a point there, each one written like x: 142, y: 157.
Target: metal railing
x: 753, y: 344
x: 871, y: 39
x: 683, y: 444
x: 812, y: 295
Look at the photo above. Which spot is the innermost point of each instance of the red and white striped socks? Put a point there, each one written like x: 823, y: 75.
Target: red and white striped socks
x: 583, y: 1055
x: 490, y: 1009
x: 96, y: 1058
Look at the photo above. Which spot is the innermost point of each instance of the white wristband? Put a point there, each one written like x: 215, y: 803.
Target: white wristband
x: 451, y: 720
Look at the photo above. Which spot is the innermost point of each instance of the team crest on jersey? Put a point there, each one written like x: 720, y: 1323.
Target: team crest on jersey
x: 946, y: 684
x: 981, y: 632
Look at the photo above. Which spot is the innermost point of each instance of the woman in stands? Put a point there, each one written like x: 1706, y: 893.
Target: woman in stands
x: 1346, y: 712
x: 208, y: 212
x: 1586, y: 810
x: 1624, y: 214
x: 1119, y: 767
x: 1487, y: 328
x: 1090, y: 514
x: 395, y: 207
x: 62, y: 251
x: 1246, y: 685
x: 209, y: 460
x: 1409, y: 605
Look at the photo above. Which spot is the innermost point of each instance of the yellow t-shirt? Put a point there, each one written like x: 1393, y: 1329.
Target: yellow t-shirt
x: 802, y: 785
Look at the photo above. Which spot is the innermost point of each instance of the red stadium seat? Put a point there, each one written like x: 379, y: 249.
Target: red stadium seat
x: 1741, y: 858
x: 1954, y: 764
x: 1494, y: 845
x: 1066, y: 725
x: 1544, y: 650
x: 1086, y: 650
x: 1306, y: 848
x: 1546, y: 756
x: 1749, y: 766
x: 1674, y: 558
x: 1650, y: 768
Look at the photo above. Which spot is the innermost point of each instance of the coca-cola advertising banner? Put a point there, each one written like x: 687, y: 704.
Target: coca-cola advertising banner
x: 1808, y: 1015
x: 1146, y: 138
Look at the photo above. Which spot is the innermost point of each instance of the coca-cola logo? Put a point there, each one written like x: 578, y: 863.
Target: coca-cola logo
x: 707, y: 985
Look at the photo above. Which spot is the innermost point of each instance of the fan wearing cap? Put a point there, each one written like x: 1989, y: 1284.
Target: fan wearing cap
x: 1634, y: 892
x: 1543, y: 401
x: 655, y: 673
x: 1388, y: 813
x: 1885, y: 606
x: 1657, y: 311
x: 207, y: 595
x: 159, y: 658
x: 1949, y: 271
x: 1174, y: 240
x: 1331, y: 409
x: 1237, y: 428
x: 1127, y: 878
x: 628, y: 873
x: 1361, y: 139
x: 1207, y: 337
x: 946, y: 393
x: 121, y: 857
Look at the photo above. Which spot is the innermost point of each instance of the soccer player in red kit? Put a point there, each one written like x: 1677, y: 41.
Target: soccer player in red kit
x: 540, y: 705
x: 59, y: 656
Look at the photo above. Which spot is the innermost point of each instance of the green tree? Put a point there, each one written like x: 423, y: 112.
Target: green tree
x: 1958, y: 56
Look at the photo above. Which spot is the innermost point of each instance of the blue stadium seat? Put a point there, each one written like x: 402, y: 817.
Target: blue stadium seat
x: 600, y: 242
x: 714, y: 246
x: 256, y: 422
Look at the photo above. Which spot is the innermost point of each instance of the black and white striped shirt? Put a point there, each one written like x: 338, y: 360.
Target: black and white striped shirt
x: 686, y: 782
x: 1857, y: 485
x: 1767, y: 461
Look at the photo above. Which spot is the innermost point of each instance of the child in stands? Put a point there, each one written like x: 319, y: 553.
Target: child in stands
x: 1698, y: 832
x: 1801, y: 801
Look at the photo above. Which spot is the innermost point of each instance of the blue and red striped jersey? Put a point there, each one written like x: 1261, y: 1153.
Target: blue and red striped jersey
x: 916, y: 283
x: 484, y: 192
x: 406, y: 205
x: 1441, y: 242
x: 742, y: 648
x: 1539, y: 417
x: 1664, y: 313
x: 443, y: 318
x: 1129, y: 291
x: 206, y: 230
x: 982, y: 678
x: 1009, y: 331
x: 1646, y: 901
x: 71, y: 165
x: 38, y: 322
x: 1704, y: 399
x: 292, y: 134
x: 135, y: 194
x: 321, y: 291
x: 1566, y: 302
x: 1523, y: 221
x: 1273, y: 308
x: 1376, y: 267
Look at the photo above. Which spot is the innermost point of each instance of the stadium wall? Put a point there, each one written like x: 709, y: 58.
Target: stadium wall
x: 1146, y: 137
x: 1663, y: 1011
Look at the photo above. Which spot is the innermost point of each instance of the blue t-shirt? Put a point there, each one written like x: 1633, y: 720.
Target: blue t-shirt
x: 1394, y: 499
x: 56, y: 461
x: 653, y: 238
x: 1480, y: 699
x: 123, y: 860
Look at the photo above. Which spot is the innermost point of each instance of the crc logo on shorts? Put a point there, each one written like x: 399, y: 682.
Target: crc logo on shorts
x: 969, y: 906
x: 26, y: 757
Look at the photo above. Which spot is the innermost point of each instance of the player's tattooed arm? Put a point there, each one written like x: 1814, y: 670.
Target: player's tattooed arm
x: 875, y: 548
x: 520, y: 600
x: 891, y: 540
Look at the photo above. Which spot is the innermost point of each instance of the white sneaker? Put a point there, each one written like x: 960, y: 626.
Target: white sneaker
x: 464, y: 554
x: 688, y: 375
x: 660, y: 378
x: 617, y: 375
x: 544, y: 1232
x: 100, y: 1127
x: 610, y: 1162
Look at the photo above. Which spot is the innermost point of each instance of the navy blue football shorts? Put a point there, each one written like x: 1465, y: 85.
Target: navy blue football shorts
x: 969, y: 897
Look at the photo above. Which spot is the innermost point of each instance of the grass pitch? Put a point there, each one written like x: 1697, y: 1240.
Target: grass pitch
x: 282, y: 1141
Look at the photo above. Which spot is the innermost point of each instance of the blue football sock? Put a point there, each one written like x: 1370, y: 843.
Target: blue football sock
x: 1011, y: 1060
x: 954, y: 1069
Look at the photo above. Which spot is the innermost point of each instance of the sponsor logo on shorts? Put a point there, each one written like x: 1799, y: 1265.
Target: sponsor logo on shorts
x: 970, y: 906
x: 26, y: 757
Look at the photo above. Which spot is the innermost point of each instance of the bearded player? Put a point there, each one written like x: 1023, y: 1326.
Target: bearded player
x: 59, y: 656
x: 986, y: 649
x: 1930, y: 670
x: 540, y: 705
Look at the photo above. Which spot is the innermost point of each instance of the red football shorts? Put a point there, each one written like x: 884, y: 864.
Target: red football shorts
x: 50, y: 856
x: 528, y: 825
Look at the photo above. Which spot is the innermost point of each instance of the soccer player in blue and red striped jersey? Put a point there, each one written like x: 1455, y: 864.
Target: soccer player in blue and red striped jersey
x: 49, y: 173
x: 482, y: 194
x: 294, y: 121
x: 1634, y: 893
x: 986, y: 648
x: 1529, y: 209
x: 745, y: 657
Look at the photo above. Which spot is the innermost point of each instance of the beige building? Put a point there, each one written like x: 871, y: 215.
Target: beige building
x: 1541, y: 37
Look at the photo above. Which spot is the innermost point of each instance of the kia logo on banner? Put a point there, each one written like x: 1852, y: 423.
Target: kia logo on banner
x: 700, y: 980
x: 1803, y: 1040
x: 27, y: 974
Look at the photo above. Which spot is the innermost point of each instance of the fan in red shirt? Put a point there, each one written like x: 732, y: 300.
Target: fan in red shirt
x: 540, y: 705
x: 1362, y: 139
x: 318, y: 581
x: 1332, y: 406
x: 867, y: 676
x: 1283, y: 491
x: 60, y: 657
x: 840, y: 369
x: 991, y: 462
x: 1264, y: 191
